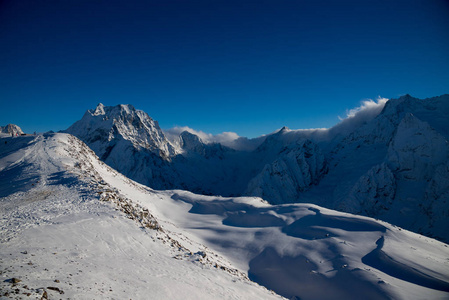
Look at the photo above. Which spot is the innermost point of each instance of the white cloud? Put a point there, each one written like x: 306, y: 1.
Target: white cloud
x: 355, y: 118
x: 207, y: 138
x: 174, y: 133
x: 360, y: 115
x: 228, y: 139
x: 225, y: 137
x: 369, y: 107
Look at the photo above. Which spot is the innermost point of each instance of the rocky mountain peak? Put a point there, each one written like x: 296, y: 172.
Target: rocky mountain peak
x: 11, y: 129
x: 105, y: 126
x: 191, y: 142
x: 99, y: 110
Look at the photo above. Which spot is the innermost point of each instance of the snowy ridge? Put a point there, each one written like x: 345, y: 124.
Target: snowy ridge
x: 68, y: 233
x: 72, y: 227
x: 89, y: 164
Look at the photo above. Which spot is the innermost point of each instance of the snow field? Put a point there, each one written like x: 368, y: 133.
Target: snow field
x: 301, y: 249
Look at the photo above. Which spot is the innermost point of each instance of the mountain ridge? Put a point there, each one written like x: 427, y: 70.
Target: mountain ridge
x: 355, y: 164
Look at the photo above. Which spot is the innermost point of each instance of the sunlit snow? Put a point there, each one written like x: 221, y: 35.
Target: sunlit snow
x: 72, y: 227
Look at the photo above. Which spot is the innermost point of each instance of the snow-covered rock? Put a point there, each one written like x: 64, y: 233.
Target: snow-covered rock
x: 296, y: 168
x: 436, y: 205
x: 373, y: 193
x: 191, y: 143
x: 416, y: 150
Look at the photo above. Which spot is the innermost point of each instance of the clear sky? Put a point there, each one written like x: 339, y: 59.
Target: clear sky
x: 249, y: 67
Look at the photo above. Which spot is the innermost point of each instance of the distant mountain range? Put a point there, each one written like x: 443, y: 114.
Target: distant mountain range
x: 391, y: 163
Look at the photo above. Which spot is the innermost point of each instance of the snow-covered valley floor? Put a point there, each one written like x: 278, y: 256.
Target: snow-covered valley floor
x: 71, y: 227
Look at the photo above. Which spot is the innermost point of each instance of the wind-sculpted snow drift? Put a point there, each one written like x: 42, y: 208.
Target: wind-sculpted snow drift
x: 72, y: 227
x: 387, y: 160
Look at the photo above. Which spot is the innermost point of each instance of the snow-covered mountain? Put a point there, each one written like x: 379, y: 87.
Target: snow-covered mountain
x: 128, y: 140
x: 387, y: 168
x: 121, y: 124
x: 390, y: 162
x: 11, y: 129
x: 72, y: 227
x: 131, y: 142
x: 297, y: 167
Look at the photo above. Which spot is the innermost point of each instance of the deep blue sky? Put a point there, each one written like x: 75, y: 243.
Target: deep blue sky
x: 245, y: 66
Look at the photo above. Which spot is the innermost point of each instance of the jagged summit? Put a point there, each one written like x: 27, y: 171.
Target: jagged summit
x: 128, y: 140
x: 106, y: 124
x: 99, y: 110
x: 102, y: 109
x: 191, y: 142
x: 11, y: 129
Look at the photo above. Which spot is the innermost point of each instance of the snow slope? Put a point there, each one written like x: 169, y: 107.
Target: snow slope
x: 60, y: 238
x: 70, y: 222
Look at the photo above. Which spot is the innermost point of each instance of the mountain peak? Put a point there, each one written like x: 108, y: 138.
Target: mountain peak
x: 186, y: 135
x: 128, y: 108
x: 106, y: 126
x: 11, y: 129
x: 120, y: 109
x: 99, y: 110
x: 191, y: 142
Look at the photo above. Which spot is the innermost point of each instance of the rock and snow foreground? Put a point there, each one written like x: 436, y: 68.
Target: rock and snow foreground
x: 72, y: 227
x: 68, y: 231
